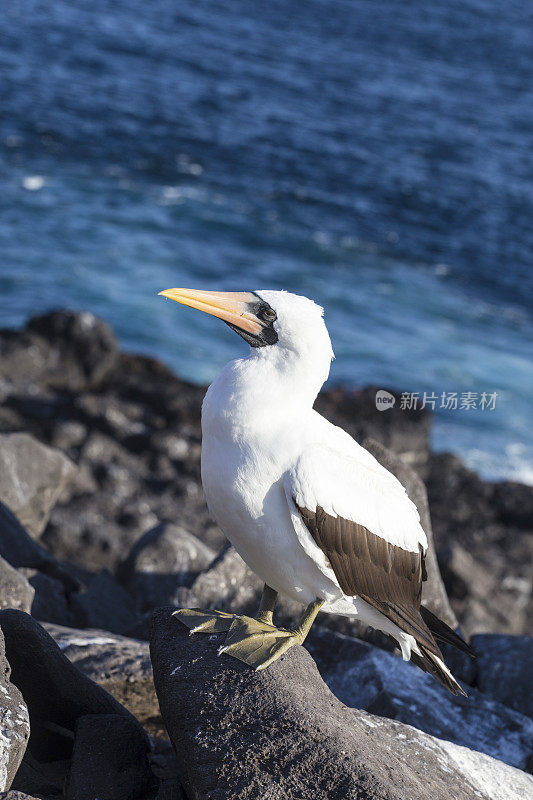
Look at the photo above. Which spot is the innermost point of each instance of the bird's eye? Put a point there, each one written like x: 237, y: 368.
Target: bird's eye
x: 268, y: 314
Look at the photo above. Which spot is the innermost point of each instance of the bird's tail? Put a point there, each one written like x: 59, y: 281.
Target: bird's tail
x: 429, y: 662
x: 443, y: 632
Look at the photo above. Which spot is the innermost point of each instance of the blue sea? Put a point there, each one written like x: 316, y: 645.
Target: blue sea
x: 375, y: 156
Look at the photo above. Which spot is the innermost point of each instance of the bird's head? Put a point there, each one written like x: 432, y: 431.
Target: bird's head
x: 272, y: 322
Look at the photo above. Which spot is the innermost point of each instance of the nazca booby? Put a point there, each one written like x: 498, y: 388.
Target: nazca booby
x: 310, y: 511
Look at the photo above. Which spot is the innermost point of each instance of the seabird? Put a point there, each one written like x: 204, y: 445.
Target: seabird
x: 310, y: 511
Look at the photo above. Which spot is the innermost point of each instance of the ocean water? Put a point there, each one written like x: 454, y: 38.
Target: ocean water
x: 373, y: 156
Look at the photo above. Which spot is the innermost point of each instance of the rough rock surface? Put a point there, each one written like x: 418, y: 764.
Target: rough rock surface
x: 20, y: 550
x: 281, y: 733
x: 119, y: 665
x: 61, y: 350
x: 102, y: 602
x: 505, y: 669
x: 483, y: 533
x: 165, y: 557
x: 384, y: 684
x: 32, y: 476
x: 56, y: 693
x: 13, y: 794
x: 109, y: 760
x: 15, y: 590
x: 14, y: 723
x: 133, y: 429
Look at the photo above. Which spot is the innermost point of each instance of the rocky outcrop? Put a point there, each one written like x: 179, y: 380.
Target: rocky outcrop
x: 62, y: 350
x: 386, y: 685
x: 56, y: 693
x: 163, y: 559
x: 15, y: 590
x: 109, y: 760
x: 32, y: 477
x: 14, y: 795
x: 20, y: 550
x: 504, y: 669
x: 133, y: 430
x: 118, y: 664
x: 14, y: 723
x: 281, y: 733
x: 130, y: 530
x: 483, y: 534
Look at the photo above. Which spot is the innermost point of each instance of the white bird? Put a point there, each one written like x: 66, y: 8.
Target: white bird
x: 310, y: 511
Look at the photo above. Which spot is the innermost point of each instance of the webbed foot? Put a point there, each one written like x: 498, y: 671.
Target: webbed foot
x: 257, y: 643
x: 199, y: 621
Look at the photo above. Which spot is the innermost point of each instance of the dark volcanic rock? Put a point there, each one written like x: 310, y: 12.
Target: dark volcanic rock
x: 14, y: 723
x: 505, y: 669
x: 62, y: 349
x: 103, y: 603
x: 384, y: 684
x: 56, y: 693
x: 32, y: 477
x: 483, y: 533
x: 281, y: 733
x: 133, y: 429
x: 50, y: 603
x: 15, y: 591
x: 42, y: 779
x: 228, y: 584
x: 119, y: 665
x: 20, y: 550
x: 164, y: 558
x: 109, y: 760
x: 433, y: 592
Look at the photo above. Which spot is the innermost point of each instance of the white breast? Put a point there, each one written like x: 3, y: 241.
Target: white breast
x: 242, y: 477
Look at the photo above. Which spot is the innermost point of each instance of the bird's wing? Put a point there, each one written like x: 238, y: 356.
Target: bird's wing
x: 361, y: 518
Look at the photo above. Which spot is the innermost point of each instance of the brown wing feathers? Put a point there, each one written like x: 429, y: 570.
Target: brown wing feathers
x: 383, y: 574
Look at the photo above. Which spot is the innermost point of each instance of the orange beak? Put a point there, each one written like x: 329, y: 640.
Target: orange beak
x: 235, y: 308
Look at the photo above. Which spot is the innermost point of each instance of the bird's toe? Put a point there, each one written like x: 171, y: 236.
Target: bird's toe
x: 200, y: 621
x: 257, y: 643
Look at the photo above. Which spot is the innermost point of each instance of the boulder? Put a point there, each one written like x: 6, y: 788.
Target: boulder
x: 15, y: 590
x: 484, y: 545
x: 433, y: 592
x: 505, y: 669
x: 51, y: 601
x: 119, y: 665
x: 170, y: 790
x: 56, y: 693
x: 64, y: 350
x: 14, y: 724
x: 479, y: 596
x: 102, y: 603
x: 281, y: 733
x: 164, y: 557
x: 20, y: 550
x: 384, y: 684
x: 32, y: 476
x: 227, y: 584
x: 109, y: 760
x: 42, y: 779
